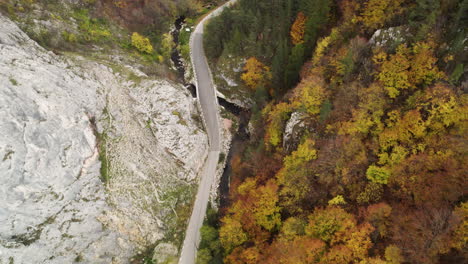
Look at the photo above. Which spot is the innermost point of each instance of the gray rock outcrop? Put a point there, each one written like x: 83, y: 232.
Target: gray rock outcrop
x: 59, y: 118
x: 294, y: 130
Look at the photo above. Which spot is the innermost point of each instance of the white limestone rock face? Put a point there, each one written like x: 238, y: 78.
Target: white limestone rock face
x: 295, y: 128
x: 50, y: 192
x: 382, y: 37
x: 155, y: 150
x: 53, y: 206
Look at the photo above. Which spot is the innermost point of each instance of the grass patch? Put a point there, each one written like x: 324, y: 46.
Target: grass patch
x: 13, y: 81
x: 78, y: 258
x: 101, y: 141
x: 181, y: 197
x: 92, y: 29
x: 184, y: 39
x: 145, y: 257
x: 181, y: 119
x: 105, y: 163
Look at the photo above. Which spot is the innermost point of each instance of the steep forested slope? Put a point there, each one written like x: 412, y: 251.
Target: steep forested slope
x: 261, y: 29
x: 364, y: 160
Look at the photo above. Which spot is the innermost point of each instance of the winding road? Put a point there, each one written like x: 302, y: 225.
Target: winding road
x: 207, y: 97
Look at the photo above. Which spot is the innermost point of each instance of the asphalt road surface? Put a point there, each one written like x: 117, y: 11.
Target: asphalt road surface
x: 208, y: 101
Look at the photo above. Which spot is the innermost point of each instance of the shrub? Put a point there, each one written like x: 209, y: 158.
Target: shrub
x: 92, y: 29
x: 377, y: 174
x: 141, y: 43
x: 372, y: 193
x: 69, y: 37
x: 337, y: 200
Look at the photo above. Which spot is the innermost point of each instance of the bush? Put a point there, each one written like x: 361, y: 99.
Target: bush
x: 92, y: 29
x: 69, y: 37
x: 377, y: 175
x: 457, y: 73
x: 141, y: 43
x: 372, y: 193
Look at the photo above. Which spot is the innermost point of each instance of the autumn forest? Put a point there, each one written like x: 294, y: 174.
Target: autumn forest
x: 358, y: 146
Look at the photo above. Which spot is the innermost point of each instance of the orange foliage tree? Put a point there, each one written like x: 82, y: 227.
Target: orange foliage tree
x: 301, y: 249
x: 377, y: 215
x: 252, y: 217
x: 298, y: 29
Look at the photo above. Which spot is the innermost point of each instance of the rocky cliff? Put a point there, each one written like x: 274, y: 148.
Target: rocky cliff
x: 94, y: 167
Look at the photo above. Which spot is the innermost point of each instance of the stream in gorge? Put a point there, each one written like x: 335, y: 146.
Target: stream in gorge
x: 242, y: 134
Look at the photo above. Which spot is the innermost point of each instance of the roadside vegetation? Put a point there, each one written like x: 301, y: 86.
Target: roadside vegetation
x: 210, y: 249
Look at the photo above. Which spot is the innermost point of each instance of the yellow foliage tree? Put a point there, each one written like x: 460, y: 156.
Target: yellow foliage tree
x: 408, y: 68
x: 324, y: 43
x: 393, y: 255
x: 423, y: 64
x: 399, y: 138
x: 337, y: 200
x: 256, y: 73
x: 266, y: 211
x: 276, y: 116
x: 304, y: 153
x: 293, y: 177
x: 367, y: 117
x: 300, y: 250
x: 446, y: 109
x: 332, y: 225
x: 298, y: 29
x: 231, y: 233
x: 167, y: 44
x: 311, y: 94
x: 377, y: 12
x: 395, y: 73
x: 141, y: 43
x: 292, y: 227
x: 349, y: 242
x: 378, y: 216
x: 359, y: 241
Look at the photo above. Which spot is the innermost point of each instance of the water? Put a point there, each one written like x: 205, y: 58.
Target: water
x: 177, y: 59
x: 240, y: 138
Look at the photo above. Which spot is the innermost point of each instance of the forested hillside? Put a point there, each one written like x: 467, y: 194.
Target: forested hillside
x: 359, y: 141
x: 261, y: 29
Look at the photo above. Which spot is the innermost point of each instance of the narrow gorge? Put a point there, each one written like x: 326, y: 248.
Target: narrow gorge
x: 233, y: 131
